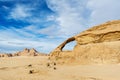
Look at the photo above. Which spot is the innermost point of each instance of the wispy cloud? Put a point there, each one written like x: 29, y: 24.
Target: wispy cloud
x: 76, y: 15
x: 103, y: 11
x: 14, y: 42
x: 51, y: 22
x: 20, y: 12
x: 70, y: 16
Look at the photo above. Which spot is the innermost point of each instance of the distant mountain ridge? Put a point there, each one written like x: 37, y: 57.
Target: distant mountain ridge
x: 25, y: 52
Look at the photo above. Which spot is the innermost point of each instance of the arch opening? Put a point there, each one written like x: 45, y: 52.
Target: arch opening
x: 69, y: 46
x: 60, y: 47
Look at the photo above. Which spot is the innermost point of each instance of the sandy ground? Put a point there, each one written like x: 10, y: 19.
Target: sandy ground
x: 18, y: 68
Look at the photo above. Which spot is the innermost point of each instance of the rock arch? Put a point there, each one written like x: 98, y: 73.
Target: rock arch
x: 61, y: 46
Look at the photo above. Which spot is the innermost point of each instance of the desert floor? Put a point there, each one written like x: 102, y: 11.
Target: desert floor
x: 18, y: 68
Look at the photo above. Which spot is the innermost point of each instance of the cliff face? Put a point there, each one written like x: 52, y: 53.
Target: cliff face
x: 99, y: 44
x: 107, y: 32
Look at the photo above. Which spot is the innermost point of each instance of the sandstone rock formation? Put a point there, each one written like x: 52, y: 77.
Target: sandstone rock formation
x: 5, y: 55
x: 99, y: 44
x: 27, y: 52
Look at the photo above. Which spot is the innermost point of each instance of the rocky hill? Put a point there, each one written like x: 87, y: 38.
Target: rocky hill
x: 99, y: 44
x: 25, y: 52
x: 29, y: 52
x: 5, y: 55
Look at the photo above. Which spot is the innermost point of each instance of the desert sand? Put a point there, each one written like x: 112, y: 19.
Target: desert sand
x: 18, y: 68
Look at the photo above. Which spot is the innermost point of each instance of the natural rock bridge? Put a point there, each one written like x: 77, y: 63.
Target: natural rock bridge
x: 97, y: 44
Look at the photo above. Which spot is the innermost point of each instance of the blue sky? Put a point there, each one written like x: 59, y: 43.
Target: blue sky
x: 44, y: 24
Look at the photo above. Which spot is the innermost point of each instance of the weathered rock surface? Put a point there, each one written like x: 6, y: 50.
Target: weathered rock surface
x: 5, y: 55
x: 29, y: 52
x: 25, y: 52
x: 99, y: 44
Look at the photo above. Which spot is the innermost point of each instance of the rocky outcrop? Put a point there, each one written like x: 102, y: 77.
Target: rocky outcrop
x: 99, y: 44
x: 61, y: 46
x: 27, y: 52
x: 5, y: 55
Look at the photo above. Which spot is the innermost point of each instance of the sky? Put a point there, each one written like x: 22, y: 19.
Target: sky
x: 44, y: 24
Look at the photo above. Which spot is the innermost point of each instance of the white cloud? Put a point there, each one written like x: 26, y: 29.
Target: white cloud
x: 103, y: 11
x: 5, y: 7
x: 51, y: 18
x: 19, y: 44
x: 75, y: 16
x: 30, y: 27
x: 14, y: 42
x: 51, y: 31
x: 70, y: 15
x: 20, y: 12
